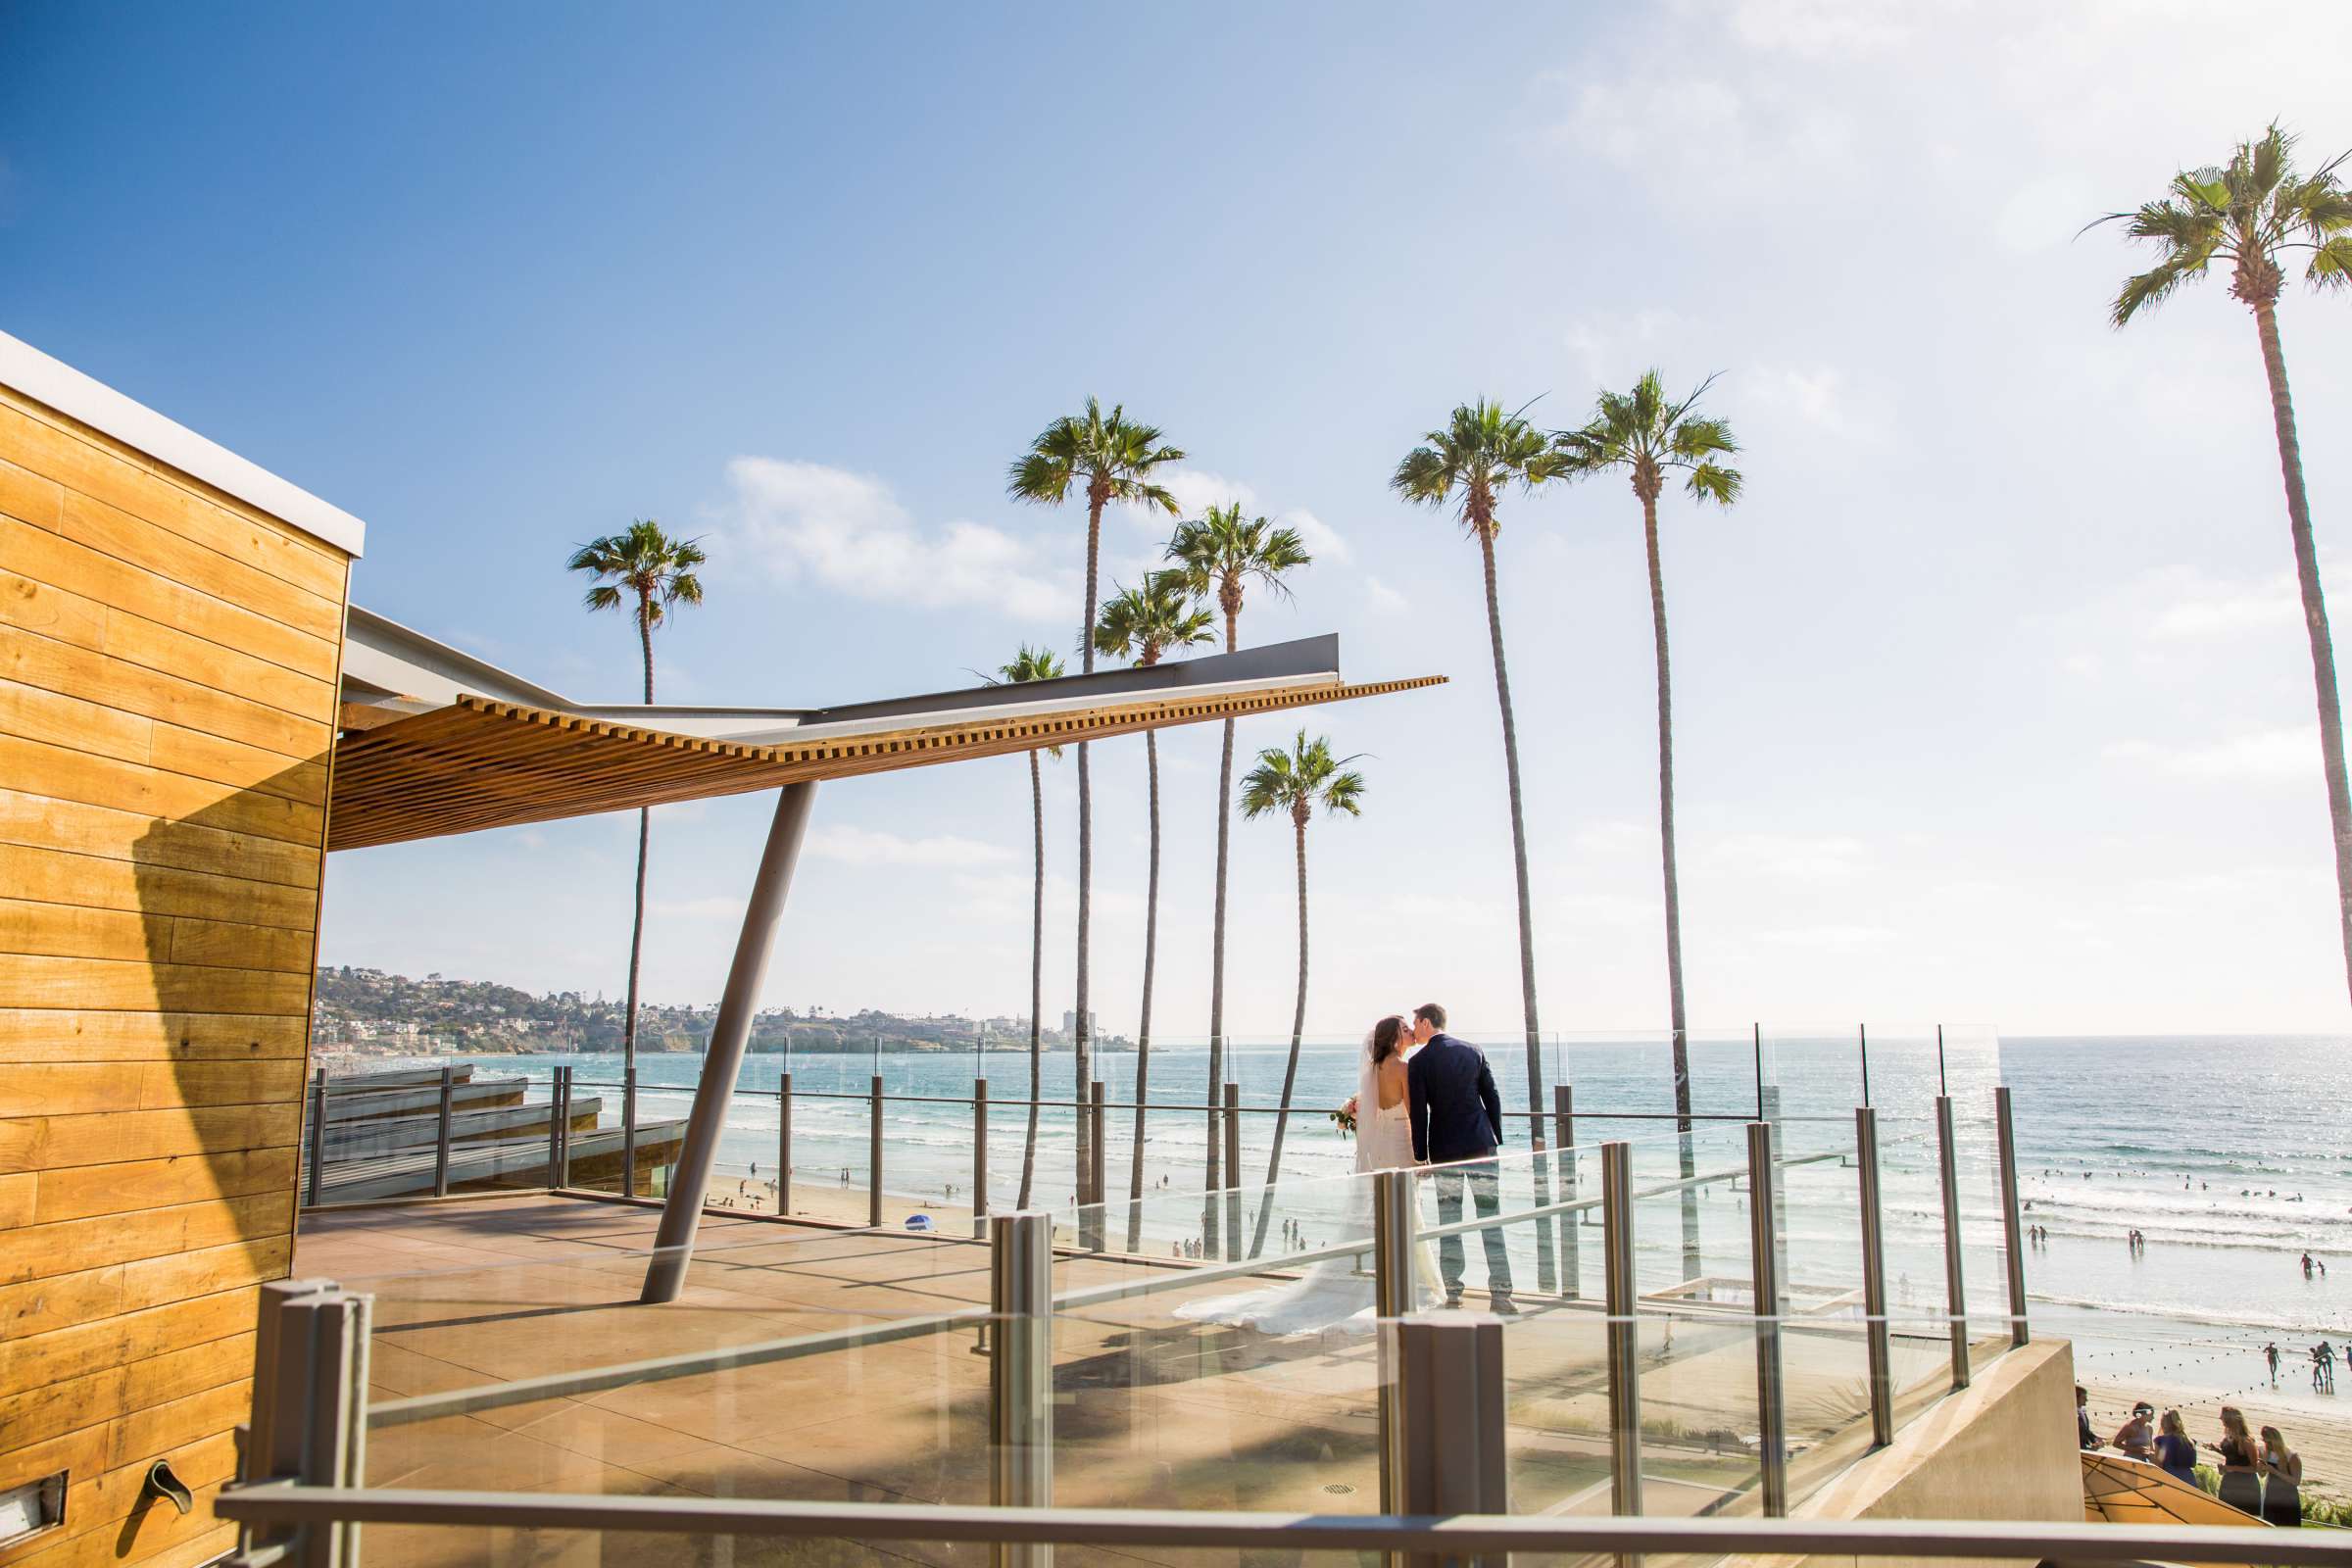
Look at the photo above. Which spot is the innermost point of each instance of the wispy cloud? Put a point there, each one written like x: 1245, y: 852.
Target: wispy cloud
x: 2269, y: 753
x: 849, y: 532
x: 1198, y: 489
x: 1787, y: 857
x: 858, y: 846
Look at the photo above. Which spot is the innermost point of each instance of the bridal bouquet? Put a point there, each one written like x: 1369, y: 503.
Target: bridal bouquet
x: 1343, y: 1118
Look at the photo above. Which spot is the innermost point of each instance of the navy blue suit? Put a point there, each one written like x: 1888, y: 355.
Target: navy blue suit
x: 1458, y: 1116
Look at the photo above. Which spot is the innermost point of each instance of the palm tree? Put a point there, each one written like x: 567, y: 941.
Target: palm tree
x: 1109, y: 460
x: 1648, y: 435
x: 1140, y: 624
x: 1479, y: 454
x: 646, y: 566
x: 2254, y: 214
x: 1294, y: 783
x: 1218, y: 557
x: 1034, y: 664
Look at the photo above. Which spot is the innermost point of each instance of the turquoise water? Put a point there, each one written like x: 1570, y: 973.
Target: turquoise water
x: 2255, y: 1126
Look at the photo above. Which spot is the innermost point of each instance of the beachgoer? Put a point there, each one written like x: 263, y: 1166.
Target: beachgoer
x: 2242, y: 1458
x: 2282, y: 1481
x: 2175, y: 1454
x: 2270, y: 1353
x: 2083, y: 1436
x: 2307, y: 1265
x: 2136, y: 1438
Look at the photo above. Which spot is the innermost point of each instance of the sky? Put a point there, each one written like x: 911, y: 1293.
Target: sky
x: 1992, y: 704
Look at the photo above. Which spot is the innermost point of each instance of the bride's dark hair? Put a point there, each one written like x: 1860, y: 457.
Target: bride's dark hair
x: 1384, y: 1038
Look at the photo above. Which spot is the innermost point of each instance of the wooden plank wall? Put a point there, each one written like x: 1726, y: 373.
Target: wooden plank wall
x: 169, y: 663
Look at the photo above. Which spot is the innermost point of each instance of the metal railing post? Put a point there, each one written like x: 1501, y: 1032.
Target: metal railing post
x: 979, y: 1156
x: 1213, y: 1154
x: 1563, y: 1118
x: 628, y: 1132
x: 1770, y: 1098
x: 1098, y: 1170
x: 873, y: 1157
x: 317, y: 1184
x: 1233, y: 1170
x: 449, y: 1096
x: 1451, y: 1403
x: 1624, y: 1333
x: 1955, y: 1293
x: 1395, y: 1220
x: 1020, y: 1374
x: 784, y: 1142
x: 557, y: 1106
x: 310, y: 1417
x: 2013, y: 1230
x: 1874, y: 1278
x: 1772, y: 1414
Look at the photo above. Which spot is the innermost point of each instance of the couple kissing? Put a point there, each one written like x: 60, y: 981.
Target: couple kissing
x: 1434, y: 1103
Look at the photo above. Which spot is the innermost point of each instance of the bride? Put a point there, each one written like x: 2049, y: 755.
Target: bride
x: 1334, y: 1291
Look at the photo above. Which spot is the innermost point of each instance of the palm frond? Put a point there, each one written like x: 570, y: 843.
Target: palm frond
x: 2152, y: 288
x: 1712, y: 481
x: 604, y: 596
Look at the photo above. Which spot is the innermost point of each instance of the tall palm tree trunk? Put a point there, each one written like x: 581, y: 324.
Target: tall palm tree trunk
x: 1510, y: 765
x: 1037, y: 981
x: 1216, y: 973
x: 1674, y: 897
x: 2315, y: 618
x: 1080, y: 1025
x: 1142, y: 1032
x: 1290, y: 1071
x: 645, y: 826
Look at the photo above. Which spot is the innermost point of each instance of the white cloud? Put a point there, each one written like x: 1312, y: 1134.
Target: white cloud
x: 1696, y: 142
x: 1616, y: 348
x: 1818, y: 396
x: 1789, y: 857
x: 711, y: 908
x: 858, y: 846
x: 848, y: 533
x: 1822, y: 29
x: 1381, y: 599
x: 2292, y: 753
x: 1198, y: 489
x: 2210, y: 610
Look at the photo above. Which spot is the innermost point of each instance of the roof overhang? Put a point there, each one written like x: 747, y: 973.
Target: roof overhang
x: 437, y: 742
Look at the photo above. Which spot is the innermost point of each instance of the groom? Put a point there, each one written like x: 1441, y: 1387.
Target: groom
x: 1457, y: 1118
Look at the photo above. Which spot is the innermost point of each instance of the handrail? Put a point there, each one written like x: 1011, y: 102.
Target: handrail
x: 1450, y: 1534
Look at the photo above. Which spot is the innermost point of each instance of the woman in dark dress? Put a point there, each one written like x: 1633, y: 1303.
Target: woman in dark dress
x: 2240, y: 1461
x: 2175, y: 1454
x: 2281, y: 1480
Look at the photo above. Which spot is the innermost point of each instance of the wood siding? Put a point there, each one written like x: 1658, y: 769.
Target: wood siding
x: 169, y: 662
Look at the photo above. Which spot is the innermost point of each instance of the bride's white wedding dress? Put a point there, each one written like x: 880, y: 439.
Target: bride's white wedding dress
x: 1334, y: 1292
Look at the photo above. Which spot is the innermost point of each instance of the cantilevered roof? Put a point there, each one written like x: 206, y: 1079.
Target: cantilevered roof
x: 437, y: 742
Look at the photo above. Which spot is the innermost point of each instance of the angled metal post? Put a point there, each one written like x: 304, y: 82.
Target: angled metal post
x: 318, y: 1138
x: 1874, y: 1278
x: 784, y: 1142
x: 730, y: 1033
x: 979, y: 1156
x: 1623, y: 1332
x: 1233, y: 1170
x: 1020, y: 1374
x: 1098, y: 1171
x: 1451, y: 1403
x: 628, y: 1132
x: 1395, y: 1220
x: 1772, y: 1413
x: 2013, y: 1230
x: 449, y: 1093
x: 873, y: 1157
x: 1214, y: 1180
x: 556, y: 1107
x: 1955, y: 1293
x: 1571, y: 1263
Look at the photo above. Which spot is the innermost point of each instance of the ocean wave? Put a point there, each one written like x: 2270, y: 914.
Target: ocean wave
x: 2194, y: 1316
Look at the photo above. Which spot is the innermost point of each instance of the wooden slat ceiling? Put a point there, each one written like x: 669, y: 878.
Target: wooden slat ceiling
x: 480, y: 764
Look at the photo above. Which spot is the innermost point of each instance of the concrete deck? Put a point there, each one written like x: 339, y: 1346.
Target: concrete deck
x: 1152, y: 1410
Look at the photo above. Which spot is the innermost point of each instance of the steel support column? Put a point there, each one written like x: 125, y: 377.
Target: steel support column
x: 730, y: 1034
x: 1449, y: 1372
x: 1396, y: 1216
x: 1876, y: 1332
x: 1233, y: 1170
x: 873, y: 1155
x: 979, y: 1156
x: 2013, y: 1230
x: 1956, y: 1290
x: 442, y: 1134
x: 1563, y: 1118
x: 1772, y: 1413
x: 784, y: 1143
x: 1623, y: 1332
x: 1020, y: 1374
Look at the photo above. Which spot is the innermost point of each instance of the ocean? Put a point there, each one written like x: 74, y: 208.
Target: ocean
x: 2231, y: 1156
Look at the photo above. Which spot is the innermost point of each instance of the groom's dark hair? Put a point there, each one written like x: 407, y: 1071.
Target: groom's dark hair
x: 1433, y: 1013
